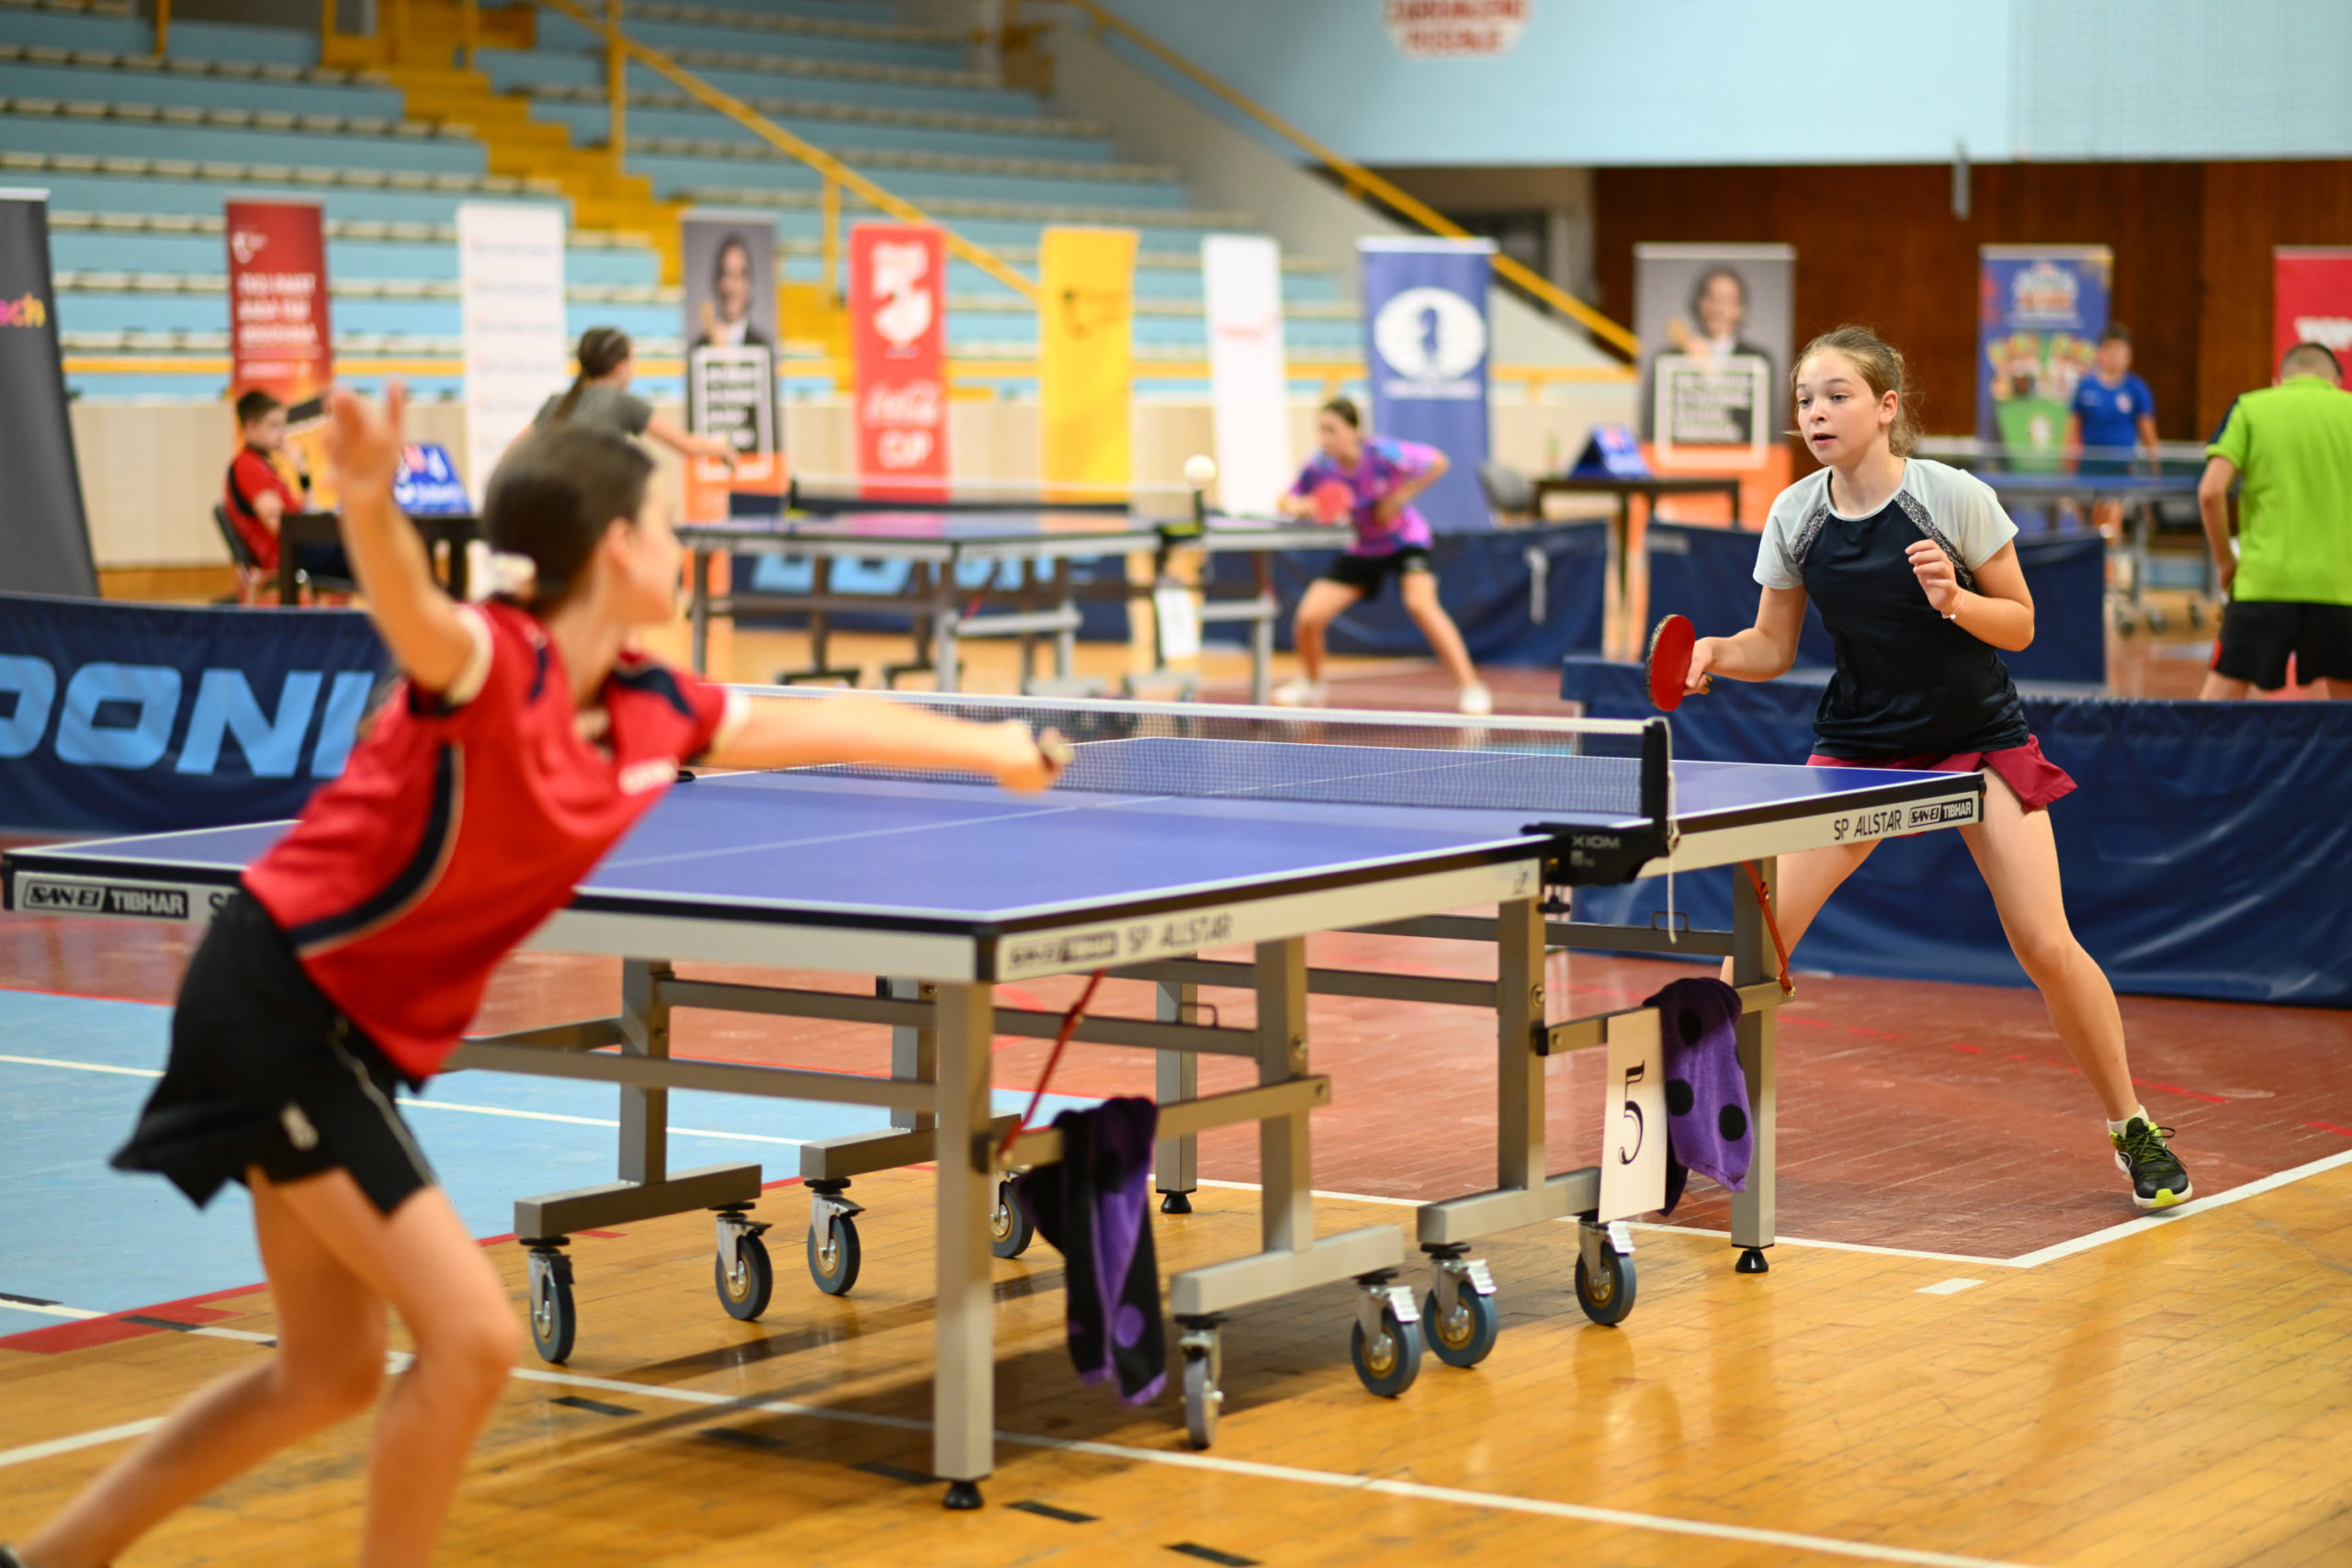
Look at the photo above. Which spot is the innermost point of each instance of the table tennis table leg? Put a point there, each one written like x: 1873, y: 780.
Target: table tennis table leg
x: 1066, y: 640
x: 943, y: 647
x: 644, y: 1112
x: 914, y: 1053
x: 1753, y: 961
x: 1175, y: 1162
x: 964, y: 1385
x: 699, y: 613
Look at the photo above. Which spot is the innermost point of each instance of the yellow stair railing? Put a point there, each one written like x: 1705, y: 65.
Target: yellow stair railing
x: 1356, y: 180
x: 837, y: 176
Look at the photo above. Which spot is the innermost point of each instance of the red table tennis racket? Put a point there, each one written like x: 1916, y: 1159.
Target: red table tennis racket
x: 1333, y: 501
x: 1669, y: 662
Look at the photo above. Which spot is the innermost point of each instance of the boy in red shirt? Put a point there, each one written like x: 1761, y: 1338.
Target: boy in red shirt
x: 257, y: 496
x: 527, y: 738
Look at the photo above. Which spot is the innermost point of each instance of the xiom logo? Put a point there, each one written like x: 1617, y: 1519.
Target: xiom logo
x: 31, y: 310
x: 131, y: 900
x: 130, y: 716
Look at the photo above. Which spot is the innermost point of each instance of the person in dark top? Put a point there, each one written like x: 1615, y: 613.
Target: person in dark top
x: 599, y: 398
x: 1912, y: 567
x: 257, y: 496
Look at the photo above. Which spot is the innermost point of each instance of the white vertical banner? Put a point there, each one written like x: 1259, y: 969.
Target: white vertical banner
x: 517, y: 345
x: 1249, y: 375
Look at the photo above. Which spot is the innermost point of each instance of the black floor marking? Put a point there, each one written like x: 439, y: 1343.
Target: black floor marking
x: 897, y: 1472
x: 26, y: 1301
x: 145, y: 1321
x: 594, y: 1406
x: 746, y: 1439
x: 1048, y: 1511
x: 1211, y: 1554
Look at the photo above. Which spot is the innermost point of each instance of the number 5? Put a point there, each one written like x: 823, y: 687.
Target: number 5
x: 1630, y: 1150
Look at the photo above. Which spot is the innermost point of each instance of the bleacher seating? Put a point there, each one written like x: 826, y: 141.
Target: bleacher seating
x: 139, y: 153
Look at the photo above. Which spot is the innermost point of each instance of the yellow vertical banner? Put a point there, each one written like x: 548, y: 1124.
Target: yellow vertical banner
x: 1086, y: 372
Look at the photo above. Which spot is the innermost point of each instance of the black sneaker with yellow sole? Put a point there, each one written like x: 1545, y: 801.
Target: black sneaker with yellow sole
x: 2142, y: 1153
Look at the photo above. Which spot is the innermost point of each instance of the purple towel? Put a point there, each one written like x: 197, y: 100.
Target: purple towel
x: 1091, y: 1208
x: 1706, y: 1094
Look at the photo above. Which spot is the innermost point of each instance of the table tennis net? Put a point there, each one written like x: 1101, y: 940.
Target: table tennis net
x: 1200, y: 750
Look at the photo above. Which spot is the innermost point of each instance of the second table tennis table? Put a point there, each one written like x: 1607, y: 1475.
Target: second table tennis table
x: 957, y: 561
x: 1179, y: 828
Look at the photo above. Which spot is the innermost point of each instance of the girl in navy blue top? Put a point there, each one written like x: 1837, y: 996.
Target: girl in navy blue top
x: 1912, y: 567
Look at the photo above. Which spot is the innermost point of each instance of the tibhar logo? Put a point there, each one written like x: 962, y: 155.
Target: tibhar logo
x: 31, y: 310
x: 124, y: 715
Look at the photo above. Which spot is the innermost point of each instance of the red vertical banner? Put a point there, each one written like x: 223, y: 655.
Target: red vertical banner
x: 897, y: 308
x: 279, y: 337
x: 2310, y: 300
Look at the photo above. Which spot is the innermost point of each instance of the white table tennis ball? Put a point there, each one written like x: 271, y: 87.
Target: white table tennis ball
x: 1200, y: 470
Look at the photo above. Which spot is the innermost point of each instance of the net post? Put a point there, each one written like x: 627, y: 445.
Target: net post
x: 1657, y: 773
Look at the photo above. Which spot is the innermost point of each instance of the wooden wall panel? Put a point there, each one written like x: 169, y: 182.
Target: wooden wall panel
x: 2250, y: 207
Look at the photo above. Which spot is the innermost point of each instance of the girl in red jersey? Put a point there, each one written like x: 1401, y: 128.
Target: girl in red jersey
x: 527, y: 738
x: 1912, y: 567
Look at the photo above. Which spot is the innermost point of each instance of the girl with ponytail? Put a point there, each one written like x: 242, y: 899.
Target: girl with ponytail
x: 599, y: 398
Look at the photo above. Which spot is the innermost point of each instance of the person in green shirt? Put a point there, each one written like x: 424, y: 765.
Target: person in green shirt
x: 2289, y: 577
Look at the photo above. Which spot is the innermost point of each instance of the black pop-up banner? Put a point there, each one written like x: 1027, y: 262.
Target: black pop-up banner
x: 44, y: 537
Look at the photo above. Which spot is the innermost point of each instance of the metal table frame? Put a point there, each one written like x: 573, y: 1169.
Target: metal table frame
x: 943, y: 611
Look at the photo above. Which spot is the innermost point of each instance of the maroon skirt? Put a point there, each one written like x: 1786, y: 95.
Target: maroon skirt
x: 2037, y: 780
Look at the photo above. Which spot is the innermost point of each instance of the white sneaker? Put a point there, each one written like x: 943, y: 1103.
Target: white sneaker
x: 1475, y: 700
x: 1299, y: 692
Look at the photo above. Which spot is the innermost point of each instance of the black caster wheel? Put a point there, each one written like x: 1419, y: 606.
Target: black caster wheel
x: 1752, y: 1261
x: 835, y: 1268
x: 1010, y: 1228
x: 554, y: 1319
x: 1203, y: 1399
x: 1607, y: 1297
x: 1175, y: 1203
x: 963, y: 1496
x: 1390, y: 1361
x: 1465, y: 1338
x: 745, y: 1292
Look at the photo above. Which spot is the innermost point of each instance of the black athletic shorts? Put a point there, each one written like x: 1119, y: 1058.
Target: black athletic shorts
x: 1367, y: 573
x: 266, y: 1072
x: 2257, y: 634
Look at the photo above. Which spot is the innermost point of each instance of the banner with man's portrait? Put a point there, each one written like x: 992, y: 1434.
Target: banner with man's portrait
x: 1715, y: 325
x: 728, y: 263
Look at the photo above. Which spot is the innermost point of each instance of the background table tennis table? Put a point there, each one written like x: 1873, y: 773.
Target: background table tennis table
x: 938, y: 889
x: 955, y: 554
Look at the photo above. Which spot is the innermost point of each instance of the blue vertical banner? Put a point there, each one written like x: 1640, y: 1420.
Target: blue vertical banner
x: 2040, y: 312
x: 1425, y: 315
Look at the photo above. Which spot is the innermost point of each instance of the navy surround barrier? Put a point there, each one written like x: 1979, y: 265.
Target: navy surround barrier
x: 2206, y: 855
x: 1709, y: 574
x: 132, y: 719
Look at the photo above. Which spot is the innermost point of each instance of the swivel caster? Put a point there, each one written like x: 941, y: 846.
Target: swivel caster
x: 1203, y: 1360
x: 833, y: 1251
x: 1010, y: 1228
x: 1605, y: 1283
x: 554, y: 1319
x: 1386, y: 1344
x: 741, y: 1271
x: 1458, y: 1316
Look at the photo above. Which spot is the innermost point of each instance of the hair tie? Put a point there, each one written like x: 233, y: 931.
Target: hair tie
x: 513, y: 576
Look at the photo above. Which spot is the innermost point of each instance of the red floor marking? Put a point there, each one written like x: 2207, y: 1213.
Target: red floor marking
x: 83, y: 1333
x: 2175, y: 1089
x: 2330, y: 1127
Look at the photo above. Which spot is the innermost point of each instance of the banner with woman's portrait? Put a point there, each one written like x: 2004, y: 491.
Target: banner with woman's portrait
x: 1714, y: 322
x: 729, y: 274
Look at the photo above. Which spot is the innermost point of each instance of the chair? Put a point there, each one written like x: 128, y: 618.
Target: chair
x: 1510, y: 494
x: 252, y: 582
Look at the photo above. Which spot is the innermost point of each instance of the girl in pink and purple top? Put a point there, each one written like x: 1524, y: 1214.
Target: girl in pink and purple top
x: 1372, y: 482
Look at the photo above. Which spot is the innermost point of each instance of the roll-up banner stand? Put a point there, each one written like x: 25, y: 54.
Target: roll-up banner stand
x: 2040, y: 310
x: 1086, y: 352
x: 1241, y: 278
x: 510, y: 302
x: 732, y: 335
x: 1425, y: 311
x: 281, y: 335
x: 2310, y: 300
x: 1714, y: 322
x: 897, y: 309
x: 44, y: 534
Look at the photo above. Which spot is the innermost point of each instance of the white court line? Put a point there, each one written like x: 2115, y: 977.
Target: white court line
x: 2189, y: 1209
x: 1581, y: 1513
x: 421, y: 1104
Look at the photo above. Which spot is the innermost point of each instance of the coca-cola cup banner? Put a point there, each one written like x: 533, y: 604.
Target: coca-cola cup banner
x: 2310, y: 300
x: 898, y: 304
x: 280, y: 339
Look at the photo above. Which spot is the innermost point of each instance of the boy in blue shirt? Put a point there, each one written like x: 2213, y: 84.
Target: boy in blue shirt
x: 2113, y: 419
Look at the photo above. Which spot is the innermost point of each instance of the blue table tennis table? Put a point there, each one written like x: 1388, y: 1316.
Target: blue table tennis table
x: 1180, y: 828
x: 973, y: 572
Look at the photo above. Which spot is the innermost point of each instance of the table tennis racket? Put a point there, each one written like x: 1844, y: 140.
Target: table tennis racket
x: 1333, y: 501
x: 1669, y: 662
